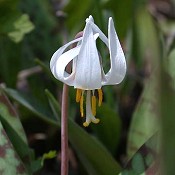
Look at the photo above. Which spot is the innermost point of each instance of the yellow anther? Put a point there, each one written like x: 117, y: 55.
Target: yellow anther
x: 100, y: 97
x: 81, y: 105
x: 96, y: 121
x: 78, y: 95
x: 85, y: 124
x: 93, y: 105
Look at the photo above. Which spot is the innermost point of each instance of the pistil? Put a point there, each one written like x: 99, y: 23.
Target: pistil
x: 90, y: 105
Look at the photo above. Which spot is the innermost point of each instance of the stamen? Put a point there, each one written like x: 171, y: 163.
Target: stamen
x: 100, y: 97
x: 78, y: 95
x: 81, y: 104
x: 90, y: 109
x: 96, y: 120
x: 85, y: 124
x: 93, y: 105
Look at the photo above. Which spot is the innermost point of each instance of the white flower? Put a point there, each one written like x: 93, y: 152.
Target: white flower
x: 87, y: 72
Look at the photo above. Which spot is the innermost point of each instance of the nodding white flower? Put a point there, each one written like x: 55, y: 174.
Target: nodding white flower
x: 87, y: 74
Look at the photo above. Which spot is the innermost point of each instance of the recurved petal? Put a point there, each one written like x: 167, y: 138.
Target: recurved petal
x: 96, y: 29
x: 58, y: 53
x: 117, y: 58
x: 88, y: 68
x: 60, y: 66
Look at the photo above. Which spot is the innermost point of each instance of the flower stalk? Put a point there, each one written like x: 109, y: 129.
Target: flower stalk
x: 64, y: 123
x: 64, y: 132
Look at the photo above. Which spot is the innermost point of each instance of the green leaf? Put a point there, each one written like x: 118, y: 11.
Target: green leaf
x: 54, y: 106
x: 30, y: 103
x: 46, y: 69
x: 24, y: 152
x: 22, y: 26
x: 9, y: 114
x: 138, y: 164
x: 167, y: 114
x: 145, y: 121
x: 146, y: 43
x: 14, y: 130
x: 50, y: 155
x: 10, y: 163
x: 13, y: 23
x: 108, y: 130
x: 8, y: 14
x: 94, y: 156
x: 145, y: 159
x: 122, y: 20
x: 38, y: 164
x: 75, y: 15
x: 170, y: 65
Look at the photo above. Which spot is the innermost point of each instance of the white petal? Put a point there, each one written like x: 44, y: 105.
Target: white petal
x: 102, y: 36
x: 117, y: 58
x: 90, y: 19
x: 62, y: 62
x: 58, y: 53
x: 88, y: 68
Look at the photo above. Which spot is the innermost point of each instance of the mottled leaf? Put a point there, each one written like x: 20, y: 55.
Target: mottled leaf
x: 145, y: 121
x: 94, y: 156
x: 167, y: 114
x: 10, y: 163
x: 9, y: 114
x: 145, y: 160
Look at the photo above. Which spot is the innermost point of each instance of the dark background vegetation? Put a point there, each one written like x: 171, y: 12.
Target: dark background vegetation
x: 134, y: 113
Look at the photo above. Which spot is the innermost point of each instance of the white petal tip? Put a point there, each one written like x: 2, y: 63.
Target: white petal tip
x: 90, y: 19
x: 110, y: 18
x: 111, y: 22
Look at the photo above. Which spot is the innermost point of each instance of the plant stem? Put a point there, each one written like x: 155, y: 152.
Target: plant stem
x: 64, y: 132
x: 64, y: 123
